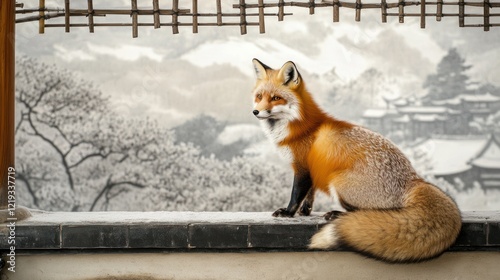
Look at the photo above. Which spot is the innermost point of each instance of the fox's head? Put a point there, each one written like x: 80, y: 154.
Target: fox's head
x: 276, y: 92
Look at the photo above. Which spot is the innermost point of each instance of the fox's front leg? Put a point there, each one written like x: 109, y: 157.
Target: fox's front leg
x: 302, y: 183
x: 307, y: 205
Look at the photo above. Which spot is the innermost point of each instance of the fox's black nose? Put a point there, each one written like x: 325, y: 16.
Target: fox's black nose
x: 256, y: 112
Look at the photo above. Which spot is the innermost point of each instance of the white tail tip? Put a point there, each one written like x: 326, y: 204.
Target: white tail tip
x: 326, y: 238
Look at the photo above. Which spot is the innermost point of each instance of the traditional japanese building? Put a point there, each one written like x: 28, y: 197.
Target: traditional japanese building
x: 380, y: 119
x: 487, y: 164
x: 477, y: 106
x: 443, y: 117
x: 473, y: 158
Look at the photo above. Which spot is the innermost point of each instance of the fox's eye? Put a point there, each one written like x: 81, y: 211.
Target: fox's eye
x: 259, y: 96
x: 275, y: 98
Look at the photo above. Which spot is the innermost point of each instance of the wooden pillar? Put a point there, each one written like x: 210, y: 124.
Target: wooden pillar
x: 7, y: 94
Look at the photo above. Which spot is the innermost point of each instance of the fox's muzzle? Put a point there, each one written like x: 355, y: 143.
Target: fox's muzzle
x: 264, y: 114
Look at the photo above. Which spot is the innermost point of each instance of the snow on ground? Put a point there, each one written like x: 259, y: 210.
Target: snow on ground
x: 41, y: 217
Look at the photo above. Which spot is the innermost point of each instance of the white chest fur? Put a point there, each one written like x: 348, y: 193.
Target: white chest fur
x: 277, y: 131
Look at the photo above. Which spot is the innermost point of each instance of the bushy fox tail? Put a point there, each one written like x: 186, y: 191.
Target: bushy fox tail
x: 426, y: 226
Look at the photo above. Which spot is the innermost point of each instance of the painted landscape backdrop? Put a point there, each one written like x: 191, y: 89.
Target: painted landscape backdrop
x: 164, y: 122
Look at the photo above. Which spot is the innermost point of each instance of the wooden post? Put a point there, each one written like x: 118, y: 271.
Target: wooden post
x: 135, y: 29
x: 175, y: 17
x: 66, y: 16
x: 422, y: 13
x: 336, y: 15
x: 41, y: 21
x: 156, y: 13
x: 7, y: 94
x: 486, y: 15
x: 383, y: 7
x: 439, y: 10
x: 91, y: 15
x: 281, y: 10
x: 262, y: 26
x: 219, y: 13
x: 243, y: 19
x: 195, y: 16
x: 358, y: 10
x: 401, y: 11
x: 461, y: 11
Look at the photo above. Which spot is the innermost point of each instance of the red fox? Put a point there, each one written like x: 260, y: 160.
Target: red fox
x: 392, y: 213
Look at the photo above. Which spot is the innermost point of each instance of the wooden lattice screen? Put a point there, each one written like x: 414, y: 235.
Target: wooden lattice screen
x: 253, y: 13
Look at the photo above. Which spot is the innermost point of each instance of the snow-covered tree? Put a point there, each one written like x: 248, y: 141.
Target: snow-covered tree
x: 75, y: 154
x: 450, y: 79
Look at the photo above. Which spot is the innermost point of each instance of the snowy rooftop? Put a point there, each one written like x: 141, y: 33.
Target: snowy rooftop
x: 403, y: 119
x: 453, y: 101
x: 428, y: 118
x: 488, y: 97
x: 378, y: 113
x: 451, y: 156
x: 482, y: 98
x: 423, y: 110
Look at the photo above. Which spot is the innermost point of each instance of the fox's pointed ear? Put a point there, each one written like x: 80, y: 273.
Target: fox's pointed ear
x: 289, y: 74
x: 260, y: 69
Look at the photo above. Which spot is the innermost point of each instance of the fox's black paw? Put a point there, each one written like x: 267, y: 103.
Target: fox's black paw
x: 305, y: 210
x: 282, y: 212
x: 332, y: 215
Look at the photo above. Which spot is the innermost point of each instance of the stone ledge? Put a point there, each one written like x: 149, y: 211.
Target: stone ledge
x: 201, y: 231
